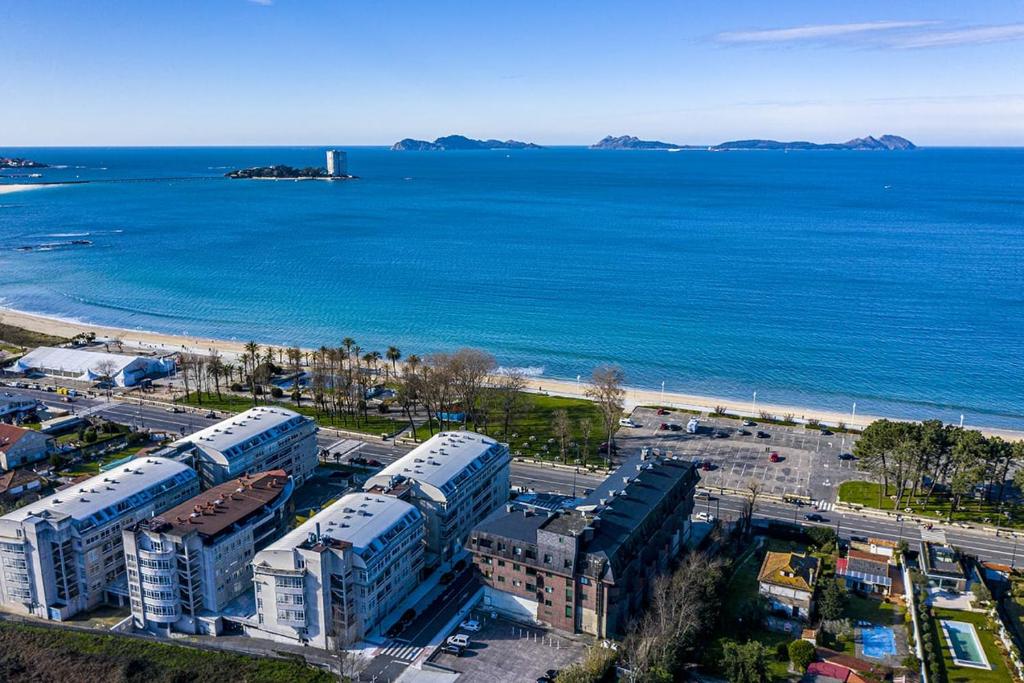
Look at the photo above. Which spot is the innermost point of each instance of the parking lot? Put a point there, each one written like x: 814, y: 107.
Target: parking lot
x: 509, y: 652
x: 808, y: 462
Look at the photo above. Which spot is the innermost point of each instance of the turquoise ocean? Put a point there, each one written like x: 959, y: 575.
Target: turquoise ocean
x: 893, y: 280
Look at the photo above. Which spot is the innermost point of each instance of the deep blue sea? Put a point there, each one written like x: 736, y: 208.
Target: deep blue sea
x: 895, y: 280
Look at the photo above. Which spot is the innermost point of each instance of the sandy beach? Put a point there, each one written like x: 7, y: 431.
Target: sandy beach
x: 22, y: 187
x: 635, y: 396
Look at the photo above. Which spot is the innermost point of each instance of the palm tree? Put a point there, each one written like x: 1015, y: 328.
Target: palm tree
x: 394, y: 355
x: 252, y: 350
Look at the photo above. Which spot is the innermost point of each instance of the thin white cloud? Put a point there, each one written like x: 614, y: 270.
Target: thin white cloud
x: 968, y: 36
x: 816, y: 32
x: 262, y: 3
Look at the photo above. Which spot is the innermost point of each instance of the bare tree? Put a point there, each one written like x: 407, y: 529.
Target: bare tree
x: 562, y: 428
x: 469, y: 370
x: 106, y: 369
x: 509, y: 386
x: 606, y: 390
x: 749, y: 504
x: 586, y: 429
x: 409, y: 389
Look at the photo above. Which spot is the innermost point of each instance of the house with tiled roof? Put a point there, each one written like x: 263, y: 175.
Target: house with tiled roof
x: 16, y: 483
x: 787, y: 580
x: 867, y: 572
x: 20, y: 446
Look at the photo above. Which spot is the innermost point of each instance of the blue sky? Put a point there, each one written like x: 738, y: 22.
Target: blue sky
x: 229, y: 72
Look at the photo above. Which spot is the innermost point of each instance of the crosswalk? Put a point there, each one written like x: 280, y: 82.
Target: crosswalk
x: 826, y: 506
x: 403, y: 651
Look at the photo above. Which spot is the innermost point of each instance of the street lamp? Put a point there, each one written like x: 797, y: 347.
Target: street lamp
x: 853, y: 415
x: 753, y: 406
x: 663, y: 393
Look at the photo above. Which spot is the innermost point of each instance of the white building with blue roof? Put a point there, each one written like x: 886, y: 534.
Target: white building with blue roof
x: 64, y: 554
x: 331, y: 580
x: 456, y: 479
x: 259, y: 440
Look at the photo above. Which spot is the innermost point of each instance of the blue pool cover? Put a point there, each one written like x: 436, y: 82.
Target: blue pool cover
x: 878, y: 642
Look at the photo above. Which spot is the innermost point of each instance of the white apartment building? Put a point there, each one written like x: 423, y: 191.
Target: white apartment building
x: 456, y: 479
x: 186, y: 564
x: 259, y: 440
x: 331, y: 580
x: 63, y: 553
x: 337, y: 163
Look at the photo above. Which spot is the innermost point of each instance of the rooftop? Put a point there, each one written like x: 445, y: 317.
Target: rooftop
x: 10, y: 435
x: 16, y: 477
x: 794, y: 570
x: 519, y: 524
x: 218, y: 508
x: 942, y: 559
x: 444, y: 461
x: 133, y: 483
x: 75, y: 360
x: 364, y: 521
x: 236, y: 435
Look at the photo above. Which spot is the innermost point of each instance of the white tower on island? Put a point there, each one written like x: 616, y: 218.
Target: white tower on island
x: 337, y: 163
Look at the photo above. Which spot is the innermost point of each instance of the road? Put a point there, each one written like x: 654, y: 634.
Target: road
x: 563, y: 480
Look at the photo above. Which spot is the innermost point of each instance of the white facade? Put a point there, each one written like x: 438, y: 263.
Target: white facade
x: 90, y: 366
x: 62, y: 553
x: 20, y: 446
x: 260, y: 439
x: 337, y: 163
x: 186, y: 564
x: 456, y: 479
x: 331, y: 580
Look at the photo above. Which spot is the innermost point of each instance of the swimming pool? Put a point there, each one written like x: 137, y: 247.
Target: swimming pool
x: 963, y: 641
x: 877, y: 642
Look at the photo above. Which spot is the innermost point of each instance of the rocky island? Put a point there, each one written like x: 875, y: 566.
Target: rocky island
x: 283, y: 172
x: 458, y: 142
x: 883, y: 142
x: 18, y: 162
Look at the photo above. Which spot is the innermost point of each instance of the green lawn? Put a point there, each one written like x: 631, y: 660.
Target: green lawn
x: 34, y: 653
x: 958, y: 674
x: 374, y: 423
x: 94, y: 467
x: 869, y: 609
x: 866, y: 493
x: 531, y: 427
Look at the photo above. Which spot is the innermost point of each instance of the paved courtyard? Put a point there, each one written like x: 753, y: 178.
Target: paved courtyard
x: 507, y: 652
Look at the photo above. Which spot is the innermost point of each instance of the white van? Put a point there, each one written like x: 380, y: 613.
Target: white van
x: 692, y: 425
x: 627, y: 422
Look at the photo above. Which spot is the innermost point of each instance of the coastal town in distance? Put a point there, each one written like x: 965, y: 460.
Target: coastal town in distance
x: 541, y: 342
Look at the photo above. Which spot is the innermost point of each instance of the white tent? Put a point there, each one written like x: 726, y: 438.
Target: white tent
x: 91, y: 366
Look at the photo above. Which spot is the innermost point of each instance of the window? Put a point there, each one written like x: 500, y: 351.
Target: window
x: 516, y: 567
x: 501, y: 563
x: 547, y: 603
x: 501, y: 579
x: 517, y: 551
x: 568, y: 610
x: 585, y: 581
x: 549, y: 589
x: 530, y: 587
x: 567, y: 564
x: 548, y: 559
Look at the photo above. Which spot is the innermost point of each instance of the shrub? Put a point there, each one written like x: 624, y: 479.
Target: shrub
x: 981, y: 592
x: 782, y: 652
x: 89, y: 436
x: 277, y: 392
x: 801, y: 653
x: 235, y: 386
x: 822, y: 536
x: 910, y: 662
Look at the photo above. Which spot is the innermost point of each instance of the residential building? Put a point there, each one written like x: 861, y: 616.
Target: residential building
x: 337, y: 163
x: 92, y: 366
x: 866, y: 572
x: 787, y: 580
x: 186, y: 564
x: 19, y: 446
x: 942, y: 566
x: 14, y: 406
x: 63, y: 554
x: 16, y: 483
x: 331, y: 580
x: 876, y: 546
x: 259, y: 440
x: 589, y: 570
x: 456, y: 479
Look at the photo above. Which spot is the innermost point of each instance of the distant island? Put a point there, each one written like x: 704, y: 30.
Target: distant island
x: 18, y: 162
x: 458, y: 142
x: 283, y: 172
x: 884, y: 142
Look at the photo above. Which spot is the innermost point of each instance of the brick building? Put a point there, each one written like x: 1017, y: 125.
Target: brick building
x: 588, y: 570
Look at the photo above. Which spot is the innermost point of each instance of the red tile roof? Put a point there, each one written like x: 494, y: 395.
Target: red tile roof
x: 9, y: 434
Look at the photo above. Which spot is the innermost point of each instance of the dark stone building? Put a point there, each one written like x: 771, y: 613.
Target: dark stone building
x: 589, y: 570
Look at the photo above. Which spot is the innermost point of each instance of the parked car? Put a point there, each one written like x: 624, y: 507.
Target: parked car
x: 459, y: 639
x: 662, y: 411
x: 663, y: 425
x: 471, y: 625
x: 176, y: 409
x: 763, y: 435
x: 705, y: 517
x: 706, y: 466
x: 749, y: 423
x: 742, y: 432
x: 373, y: 463
x: 774, y: 457
x: 846, y: 456
x: 627, y: 422
x: 453, y: 649
x: 719, y: 434
x: 702, y: 495
x: 826, y: 432
x: 211, y: 415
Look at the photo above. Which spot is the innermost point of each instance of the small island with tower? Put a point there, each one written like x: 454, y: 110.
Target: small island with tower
x: 337, y: 169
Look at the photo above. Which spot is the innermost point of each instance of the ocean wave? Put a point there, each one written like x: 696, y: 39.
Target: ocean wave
x: 528, y: 371
x: 67, y: 234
